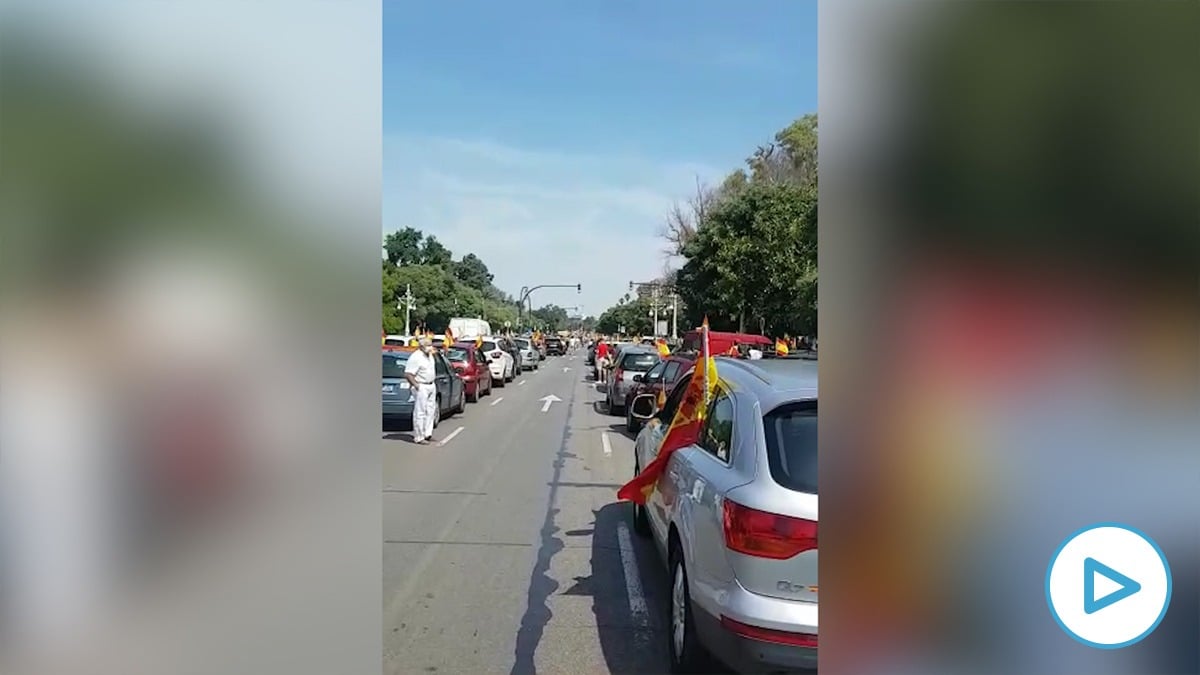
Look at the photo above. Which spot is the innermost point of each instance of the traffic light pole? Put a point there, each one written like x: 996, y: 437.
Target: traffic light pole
x: 526, y: 291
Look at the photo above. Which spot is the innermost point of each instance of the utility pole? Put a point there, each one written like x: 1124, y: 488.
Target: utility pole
x: 408, y: 307
x: 654, y: 304
x: 674, y: 314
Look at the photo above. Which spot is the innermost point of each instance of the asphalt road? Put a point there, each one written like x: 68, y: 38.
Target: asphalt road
x: 505, y: 548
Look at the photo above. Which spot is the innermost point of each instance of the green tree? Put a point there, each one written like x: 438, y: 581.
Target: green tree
x: 634, y: 315
x: 473, y: 272
x: 403, y: 247
x: 753, y: 264
x: 550, y: 317
x: 750, y: 244
x: 434, y: 253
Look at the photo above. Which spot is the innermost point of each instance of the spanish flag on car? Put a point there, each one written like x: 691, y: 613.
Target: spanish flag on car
x: 663, y: 350
x: 684, y: 429
x: 449, y: 337
x: 383, y: 340
x: 479, y: 342
x: 781, y: 347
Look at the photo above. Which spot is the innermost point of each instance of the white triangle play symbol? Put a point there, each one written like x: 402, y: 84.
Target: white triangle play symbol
x: 1104, y: 586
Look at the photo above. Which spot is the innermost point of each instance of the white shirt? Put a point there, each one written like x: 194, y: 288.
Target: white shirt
x: 755, y: 354
x: 420, y: 365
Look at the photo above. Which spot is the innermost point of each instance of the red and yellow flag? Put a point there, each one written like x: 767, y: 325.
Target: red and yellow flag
x: 663, y: 350
x: 383, y: 340
x: 449, y: 337
x: 479, y: 342
x: 684, y: 429
x: 781, y: 347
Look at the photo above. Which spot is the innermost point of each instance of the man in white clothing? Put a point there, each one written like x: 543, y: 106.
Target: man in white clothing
x: 420, y: 373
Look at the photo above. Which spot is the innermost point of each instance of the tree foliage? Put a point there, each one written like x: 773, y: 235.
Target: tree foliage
x: 443, y: 288
x: 749, y: 245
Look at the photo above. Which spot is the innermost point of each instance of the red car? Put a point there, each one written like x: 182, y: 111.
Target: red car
x: 472, y: 365
x: 659, y: 379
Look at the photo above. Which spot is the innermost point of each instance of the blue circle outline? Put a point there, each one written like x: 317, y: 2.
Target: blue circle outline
x: 1161, y: 556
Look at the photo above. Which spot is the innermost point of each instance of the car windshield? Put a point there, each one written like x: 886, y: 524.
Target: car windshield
x: 639, y: 363
x: 457, y: 354
x: 791, y: 433
x: 393, y: 364
x: 489, y: 346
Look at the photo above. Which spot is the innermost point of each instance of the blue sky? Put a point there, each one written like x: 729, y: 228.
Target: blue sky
x: 550, y: 138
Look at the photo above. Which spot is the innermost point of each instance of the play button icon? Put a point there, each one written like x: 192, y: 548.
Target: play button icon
x: 1109, y: 577
x: 1083, y: 592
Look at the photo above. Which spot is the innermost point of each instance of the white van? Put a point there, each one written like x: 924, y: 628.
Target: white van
x: 464, y: 328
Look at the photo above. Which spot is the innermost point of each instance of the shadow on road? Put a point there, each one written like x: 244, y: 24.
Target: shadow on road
x: 630, y: 643
x: 619, y: 428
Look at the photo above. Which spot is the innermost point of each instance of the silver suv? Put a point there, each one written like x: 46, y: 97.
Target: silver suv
x: 735, y: 517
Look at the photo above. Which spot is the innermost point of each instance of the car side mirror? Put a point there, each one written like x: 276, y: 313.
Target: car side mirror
x: 643, y: 407
x: 638, y: 378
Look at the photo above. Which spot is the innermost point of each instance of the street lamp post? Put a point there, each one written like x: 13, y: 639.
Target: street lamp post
x: 655, y: 288
x: 407, y: 302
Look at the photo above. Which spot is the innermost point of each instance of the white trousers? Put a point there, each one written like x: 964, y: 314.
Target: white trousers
x: 424, y: 410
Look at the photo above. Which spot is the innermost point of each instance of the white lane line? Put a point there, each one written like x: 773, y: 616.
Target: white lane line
x: 633, y: 582
x: 521, y: 383
x: 607, y: 445
x: 497, y: 400
x: 450, y: 437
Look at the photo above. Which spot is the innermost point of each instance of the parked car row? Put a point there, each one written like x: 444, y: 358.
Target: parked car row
x: 734, y: 516
x: 466, y: 371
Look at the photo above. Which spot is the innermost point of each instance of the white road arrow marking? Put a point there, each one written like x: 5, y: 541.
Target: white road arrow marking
x: 549, y: 399
x: 565, y: 369
x: 497, y: 400
x: 521, y: 383
x: 607, y: 445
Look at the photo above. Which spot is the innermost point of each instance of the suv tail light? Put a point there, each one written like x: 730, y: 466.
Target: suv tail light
x: 617, y: 374
x: 767, y: 535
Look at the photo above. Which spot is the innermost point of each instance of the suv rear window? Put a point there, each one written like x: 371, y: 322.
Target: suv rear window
x: 639, y: 363
x: 488, y: 346
x: 457, y: 354
x: 791, y: 432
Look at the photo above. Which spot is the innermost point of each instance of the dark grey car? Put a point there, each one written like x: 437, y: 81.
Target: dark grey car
x: 397, y: 398
x: 630, y: 361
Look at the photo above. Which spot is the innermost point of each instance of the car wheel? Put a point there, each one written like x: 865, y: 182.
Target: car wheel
x: 631, y: 425
x: 474, y: 398
x: 687, y: 655
x: 462, y: 403
x: 437, y: 412
x: 499, y: 382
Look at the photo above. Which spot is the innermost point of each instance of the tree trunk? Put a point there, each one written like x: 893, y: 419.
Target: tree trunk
x: 742, y: 320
